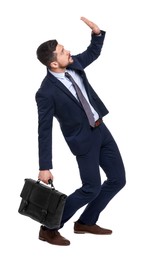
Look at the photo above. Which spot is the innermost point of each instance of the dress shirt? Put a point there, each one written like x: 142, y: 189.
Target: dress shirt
x: 68, y: 84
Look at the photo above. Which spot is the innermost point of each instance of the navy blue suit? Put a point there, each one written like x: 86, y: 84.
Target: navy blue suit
x: 92, y: 147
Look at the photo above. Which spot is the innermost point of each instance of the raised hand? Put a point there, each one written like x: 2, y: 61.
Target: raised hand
x: 93, y: 26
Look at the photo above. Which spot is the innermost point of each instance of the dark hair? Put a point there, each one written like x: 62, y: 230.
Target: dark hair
x: 45, y: 52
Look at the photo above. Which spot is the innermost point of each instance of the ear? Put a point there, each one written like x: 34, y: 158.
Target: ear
x: 54, y: 64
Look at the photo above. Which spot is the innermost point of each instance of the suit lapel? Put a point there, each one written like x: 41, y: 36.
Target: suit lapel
x: 57, y: 83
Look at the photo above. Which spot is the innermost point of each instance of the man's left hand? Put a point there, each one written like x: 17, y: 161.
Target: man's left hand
x: 93, y: 26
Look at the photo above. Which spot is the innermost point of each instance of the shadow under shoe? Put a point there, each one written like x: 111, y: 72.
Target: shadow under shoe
x: 92, y: 229
x: 53, y: 237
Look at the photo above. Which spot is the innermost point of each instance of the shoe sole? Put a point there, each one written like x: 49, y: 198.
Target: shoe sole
x: 79, y: 232
x: 44, y: 240
x: 85, y: 232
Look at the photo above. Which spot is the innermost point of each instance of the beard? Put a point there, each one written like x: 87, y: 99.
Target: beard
x: 70, y: 60
x: 64, y: 66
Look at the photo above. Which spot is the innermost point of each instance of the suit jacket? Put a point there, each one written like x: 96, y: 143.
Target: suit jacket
x: 55, y: 100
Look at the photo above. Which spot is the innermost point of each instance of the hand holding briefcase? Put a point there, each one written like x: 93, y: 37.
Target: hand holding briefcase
x: 42, y: 203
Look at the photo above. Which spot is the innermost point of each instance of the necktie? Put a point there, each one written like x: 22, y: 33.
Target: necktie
x: 82, y: 99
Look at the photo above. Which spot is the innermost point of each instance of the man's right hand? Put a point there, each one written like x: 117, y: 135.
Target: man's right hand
x: 45, y: 176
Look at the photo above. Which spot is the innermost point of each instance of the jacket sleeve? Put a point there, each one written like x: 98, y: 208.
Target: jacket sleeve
x: 45, y: 121
x: 92, y: 52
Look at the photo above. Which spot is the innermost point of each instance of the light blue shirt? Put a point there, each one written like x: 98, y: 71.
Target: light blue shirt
x: 68, y: 84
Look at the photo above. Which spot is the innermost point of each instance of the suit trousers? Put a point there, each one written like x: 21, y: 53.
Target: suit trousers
x: 95, y: 195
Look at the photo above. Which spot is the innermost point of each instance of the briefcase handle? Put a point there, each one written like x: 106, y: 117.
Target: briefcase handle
x: 49, y: 182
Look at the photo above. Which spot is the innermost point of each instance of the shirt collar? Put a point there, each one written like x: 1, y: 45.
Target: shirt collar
x: 57, y: 75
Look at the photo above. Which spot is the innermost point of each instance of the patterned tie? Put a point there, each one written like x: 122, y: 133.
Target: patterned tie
x: 83, y: 100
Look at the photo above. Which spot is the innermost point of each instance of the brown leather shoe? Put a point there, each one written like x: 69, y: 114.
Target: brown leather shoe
x: 53, y: 237
x: 93, y: 229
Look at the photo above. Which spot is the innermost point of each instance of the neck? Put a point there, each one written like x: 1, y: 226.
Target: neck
x: 58, y: 70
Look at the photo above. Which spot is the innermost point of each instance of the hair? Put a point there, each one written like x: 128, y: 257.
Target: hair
x: 45, y: 52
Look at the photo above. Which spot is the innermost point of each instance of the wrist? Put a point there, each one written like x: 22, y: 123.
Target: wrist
x: 97, y: 33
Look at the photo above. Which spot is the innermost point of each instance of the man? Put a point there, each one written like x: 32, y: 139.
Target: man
x: 66, y: 94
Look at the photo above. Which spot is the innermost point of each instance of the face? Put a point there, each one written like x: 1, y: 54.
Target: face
x: 63, y: 58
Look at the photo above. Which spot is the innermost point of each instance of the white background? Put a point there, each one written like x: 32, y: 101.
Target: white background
x: 119, y: 76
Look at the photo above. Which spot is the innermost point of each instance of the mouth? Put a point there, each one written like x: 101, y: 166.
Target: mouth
x: 70, y: 58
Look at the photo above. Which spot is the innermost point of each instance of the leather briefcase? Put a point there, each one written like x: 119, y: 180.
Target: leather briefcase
x: 42, y: 203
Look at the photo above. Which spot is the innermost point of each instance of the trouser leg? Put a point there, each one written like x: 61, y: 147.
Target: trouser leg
x: 112, y: 164
x: 90, y: 176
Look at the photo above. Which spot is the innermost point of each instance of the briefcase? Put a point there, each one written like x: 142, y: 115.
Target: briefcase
x: 42, y: 203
